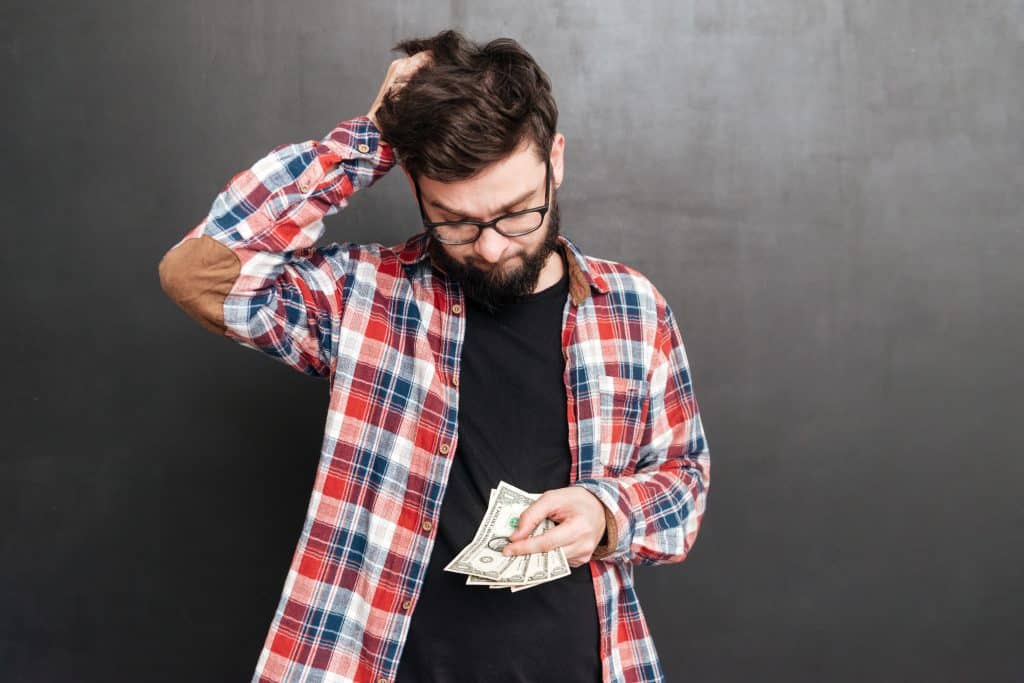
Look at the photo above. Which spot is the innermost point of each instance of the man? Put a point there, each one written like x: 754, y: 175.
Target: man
x: 487, y: 347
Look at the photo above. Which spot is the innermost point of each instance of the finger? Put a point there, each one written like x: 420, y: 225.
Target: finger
x: 533, y: 515
x: 560, y: 535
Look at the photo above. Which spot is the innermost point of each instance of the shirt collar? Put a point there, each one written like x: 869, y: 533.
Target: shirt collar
x: 581, y: 279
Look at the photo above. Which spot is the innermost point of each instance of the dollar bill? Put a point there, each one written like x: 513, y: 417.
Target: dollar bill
x: 481, y: 560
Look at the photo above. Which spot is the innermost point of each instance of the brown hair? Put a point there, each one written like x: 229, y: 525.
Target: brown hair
x: 472, y: 106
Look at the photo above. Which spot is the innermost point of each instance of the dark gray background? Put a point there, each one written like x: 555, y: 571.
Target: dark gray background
x: 830, y: 195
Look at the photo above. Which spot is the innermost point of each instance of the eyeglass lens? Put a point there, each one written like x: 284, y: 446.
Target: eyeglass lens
x: 510, y: 225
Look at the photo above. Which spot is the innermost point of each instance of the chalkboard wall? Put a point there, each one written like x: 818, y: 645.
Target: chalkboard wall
x: 829, y: 194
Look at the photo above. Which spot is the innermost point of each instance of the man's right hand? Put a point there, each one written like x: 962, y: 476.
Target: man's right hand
x: 400, y: 71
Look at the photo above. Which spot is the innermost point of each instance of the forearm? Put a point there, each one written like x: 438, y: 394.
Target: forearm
x: 250, y: 211
x: 653, y: 517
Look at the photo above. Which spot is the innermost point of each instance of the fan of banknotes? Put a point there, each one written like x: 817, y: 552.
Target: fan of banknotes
x: 481, y: 560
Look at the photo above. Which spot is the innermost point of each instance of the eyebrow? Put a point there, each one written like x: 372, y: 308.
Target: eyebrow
x: 503, y: 209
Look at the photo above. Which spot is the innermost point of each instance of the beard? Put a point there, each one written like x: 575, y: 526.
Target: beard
x: 494, y: 288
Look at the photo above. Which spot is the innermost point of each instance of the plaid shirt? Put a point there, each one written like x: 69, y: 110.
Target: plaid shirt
x: 385, y: 326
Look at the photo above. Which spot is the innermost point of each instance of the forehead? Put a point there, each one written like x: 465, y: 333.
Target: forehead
x: 514, y: 176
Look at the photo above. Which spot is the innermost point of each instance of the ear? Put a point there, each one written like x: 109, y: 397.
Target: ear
x: 558, y: 158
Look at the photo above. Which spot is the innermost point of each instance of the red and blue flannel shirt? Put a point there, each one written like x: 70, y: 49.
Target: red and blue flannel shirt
x: 386, y: 329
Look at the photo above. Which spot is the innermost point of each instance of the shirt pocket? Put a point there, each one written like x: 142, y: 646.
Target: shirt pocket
x: 624, y: 404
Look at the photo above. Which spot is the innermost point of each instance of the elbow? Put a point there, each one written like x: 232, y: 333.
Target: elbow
x: 197, y: 275
x: 168, y: 270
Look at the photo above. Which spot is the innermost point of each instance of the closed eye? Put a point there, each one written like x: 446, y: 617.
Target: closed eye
x: 515, y: 205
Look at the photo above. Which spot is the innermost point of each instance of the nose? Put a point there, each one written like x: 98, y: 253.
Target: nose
x: 491, y: 245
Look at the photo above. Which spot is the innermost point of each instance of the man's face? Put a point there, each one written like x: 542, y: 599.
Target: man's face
x: 496, y: 269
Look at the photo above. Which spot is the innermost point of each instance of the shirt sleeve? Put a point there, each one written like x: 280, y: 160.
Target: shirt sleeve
x: 250, y: 271
x: 653, y: 514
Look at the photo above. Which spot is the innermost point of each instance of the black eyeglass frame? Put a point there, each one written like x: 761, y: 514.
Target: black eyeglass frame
x: 542, y: 210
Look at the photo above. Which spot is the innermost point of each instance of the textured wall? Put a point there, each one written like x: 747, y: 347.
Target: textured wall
x: 830, y: 195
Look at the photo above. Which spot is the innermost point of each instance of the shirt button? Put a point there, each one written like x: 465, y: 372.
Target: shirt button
x: 382, y: 680
x: 427, y: 525
x: 456, y: 308
x: 445, y: 448
x: 303, y: 186
x: 407, y: 604
x: 363, y: 147
x: 455, y: 381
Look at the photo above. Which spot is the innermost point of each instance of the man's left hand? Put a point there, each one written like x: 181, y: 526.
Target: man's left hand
x: 580, y: 524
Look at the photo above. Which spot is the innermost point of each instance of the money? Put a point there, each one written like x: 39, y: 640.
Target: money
x: 481, y: 560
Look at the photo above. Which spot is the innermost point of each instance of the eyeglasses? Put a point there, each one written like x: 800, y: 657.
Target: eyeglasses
x: 514, y: 224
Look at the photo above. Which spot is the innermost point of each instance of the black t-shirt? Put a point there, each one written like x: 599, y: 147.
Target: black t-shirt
x: 512, y: 427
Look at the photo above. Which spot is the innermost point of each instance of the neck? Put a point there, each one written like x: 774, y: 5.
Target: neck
x: 552, y: 271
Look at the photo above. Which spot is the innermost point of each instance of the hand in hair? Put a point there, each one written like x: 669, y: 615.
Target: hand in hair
x: 400, y: 71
